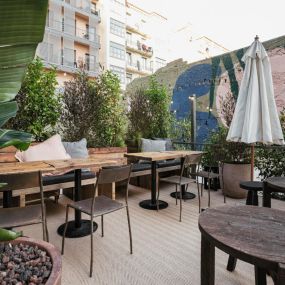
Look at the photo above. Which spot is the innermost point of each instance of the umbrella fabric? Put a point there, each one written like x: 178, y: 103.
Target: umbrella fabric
x: 256, y: 117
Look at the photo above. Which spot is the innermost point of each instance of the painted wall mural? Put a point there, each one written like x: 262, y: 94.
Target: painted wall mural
x: 218, y: 79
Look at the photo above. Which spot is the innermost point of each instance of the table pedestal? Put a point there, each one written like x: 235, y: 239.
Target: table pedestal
x: 78, y: 227
x: 149, y: 205
x: 76, y: 232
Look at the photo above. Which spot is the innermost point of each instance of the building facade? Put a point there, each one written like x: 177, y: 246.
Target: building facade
x: 71, y: 37
x: 100, y: 35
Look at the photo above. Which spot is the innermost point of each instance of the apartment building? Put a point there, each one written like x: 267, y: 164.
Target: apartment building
x: 143, y: 57
x: 102, y: 35
x: 71, y: 37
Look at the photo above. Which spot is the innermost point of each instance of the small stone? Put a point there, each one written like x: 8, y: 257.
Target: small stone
x: 5, y: 259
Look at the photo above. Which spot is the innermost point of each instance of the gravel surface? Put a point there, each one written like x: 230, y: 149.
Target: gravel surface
x: 23, y: 264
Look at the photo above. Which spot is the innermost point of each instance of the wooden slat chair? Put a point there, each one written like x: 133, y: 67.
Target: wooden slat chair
x: 102, y: 205
x: 190, y: 161
x: 28, y: 215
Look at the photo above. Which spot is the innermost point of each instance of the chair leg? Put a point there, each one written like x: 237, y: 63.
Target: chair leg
x: 209, y: 194
x: 176, y: 193
x: 232, y: 262
x: 199, y: 199
x: 65, y: 228
x: 102, y: 226
x: 180, y: 217
x: 157, y: 198
x: 130, y: 231
x: 91, y: 253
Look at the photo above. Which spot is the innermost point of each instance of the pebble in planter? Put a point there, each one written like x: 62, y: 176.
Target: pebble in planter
x: 27, y: 261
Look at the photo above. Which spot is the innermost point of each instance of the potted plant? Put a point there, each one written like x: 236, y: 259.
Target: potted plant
x: 235, y: 158
x: 28, y: 261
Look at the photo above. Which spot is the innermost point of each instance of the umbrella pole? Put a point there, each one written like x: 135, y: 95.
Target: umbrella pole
x: 252, y: 163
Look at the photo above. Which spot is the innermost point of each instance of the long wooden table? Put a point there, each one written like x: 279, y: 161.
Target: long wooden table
x: 252, y: 234
x: 78, y: 227
x: 154, y: 157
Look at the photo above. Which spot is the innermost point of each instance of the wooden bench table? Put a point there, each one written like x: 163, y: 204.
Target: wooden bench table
x: 253, y: 234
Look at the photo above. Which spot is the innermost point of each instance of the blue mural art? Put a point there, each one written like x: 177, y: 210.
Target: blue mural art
x: 195, y: 80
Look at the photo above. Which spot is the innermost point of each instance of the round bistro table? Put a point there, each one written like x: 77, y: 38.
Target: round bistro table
x: 272, y: 184
x: 253, y: 234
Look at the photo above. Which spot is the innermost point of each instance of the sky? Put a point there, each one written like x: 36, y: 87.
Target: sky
x: 232, y: 24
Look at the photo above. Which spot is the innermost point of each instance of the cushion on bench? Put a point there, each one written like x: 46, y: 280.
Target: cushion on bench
x: 141, y: 167
x: 168, y: 163
x: 68, y: 177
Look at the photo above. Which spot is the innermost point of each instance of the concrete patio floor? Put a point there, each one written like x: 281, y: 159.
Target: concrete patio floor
x: 165, y: 250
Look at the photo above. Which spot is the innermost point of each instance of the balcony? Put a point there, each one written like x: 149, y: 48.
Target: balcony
x: 138, y: 47
x: 87, y: 36
x: 64, y: 59
x: 82, y: 6
x: 139, y: 68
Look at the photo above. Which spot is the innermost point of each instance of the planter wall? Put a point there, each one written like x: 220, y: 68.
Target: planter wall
x: 233, y: 174
x: 52, y: 251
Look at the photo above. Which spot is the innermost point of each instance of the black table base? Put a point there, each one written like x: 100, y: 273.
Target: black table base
x: 76, y: 232
x: 147, y: 204
x: 185, y: 195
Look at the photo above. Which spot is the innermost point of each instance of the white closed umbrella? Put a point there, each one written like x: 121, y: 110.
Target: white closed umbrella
x: 256, y: 118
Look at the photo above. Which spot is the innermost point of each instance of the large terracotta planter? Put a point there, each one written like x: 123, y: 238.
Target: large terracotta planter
x: 233, y: 174
x: 52, y: 251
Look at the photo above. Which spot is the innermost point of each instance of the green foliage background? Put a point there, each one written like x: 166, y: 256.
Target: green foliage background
x: 39, y: 105
x: 149, y: 115
x: 94, y: 109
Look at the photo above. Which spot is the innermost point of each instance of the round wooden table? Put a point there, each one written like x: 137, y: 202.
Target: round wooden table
x: 253, y: 234
x: 272, y: 184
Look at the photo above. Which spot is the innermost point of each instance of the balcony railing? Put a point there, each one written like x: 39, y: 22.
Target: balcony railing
x: 140, y: 67
x: 65, y: 58
x: 88, y: 34
x: 84, y: 5
x: 140, y: 46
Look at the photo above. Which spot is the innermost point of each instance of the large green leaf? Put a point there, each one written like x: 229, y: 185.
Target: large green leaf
x: 22, y: 25
x: 20, y: 140
x: 7, y: 111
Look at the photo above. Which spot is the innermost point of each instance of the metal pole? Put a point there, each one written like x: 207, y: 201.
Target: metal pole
x: 193, y: 120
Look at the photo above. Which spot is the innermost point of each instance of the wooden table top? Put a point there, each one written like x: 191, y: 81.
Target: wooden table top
x: 255, y: 232
x: 53, y: 165
x: 161, y: 155
x: 277, y: 183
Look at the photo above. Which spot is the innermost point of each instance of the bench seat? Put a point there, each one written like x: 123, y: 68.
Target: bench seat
x: 67, y: 177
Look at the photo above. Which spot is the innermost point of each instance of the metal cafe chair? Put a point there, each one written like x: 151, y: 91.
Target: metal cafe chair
x: 102, y: 205
x: 23, y: 216
x: 190, y: 161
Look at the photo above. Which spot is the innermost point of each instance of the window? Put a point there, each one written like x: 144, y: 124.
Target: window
x: 129, y: 58
x: 120, y: 71
x: 160, y: 62
x: 129, y: 37
x: 117, y: 50
x: 129, y: 77
x: 117, y: 28
x: 144, y: 63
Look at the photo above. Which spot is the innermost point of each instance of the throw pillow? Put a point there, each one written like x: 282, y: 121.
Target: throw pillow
x: 168, y: 143
x: 77, y: 149
x: 51, y: 149
x: 152, y: 145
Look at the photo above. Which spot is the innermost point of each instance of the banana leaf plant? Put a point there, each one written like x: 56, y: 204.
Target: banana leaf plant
x: 22, y: 25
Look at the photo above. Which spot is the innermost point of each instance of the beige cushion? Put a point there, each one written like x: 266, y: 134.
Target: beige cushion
x: 152, y: 145
x: 50, y: 149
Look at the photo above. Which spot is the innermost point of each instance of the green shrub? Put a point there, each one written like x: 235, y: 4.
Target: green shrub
x: 94, y: 109
x: 39, y: 105
x: 149, y: 114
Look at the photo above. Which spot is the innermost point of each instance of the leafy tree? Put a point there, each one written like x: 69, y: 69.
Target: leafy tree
x: 39, y: 105
x: 77, y: 112
x: 94, y: 109
x: 149, y: 112
x: 109, y: 119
